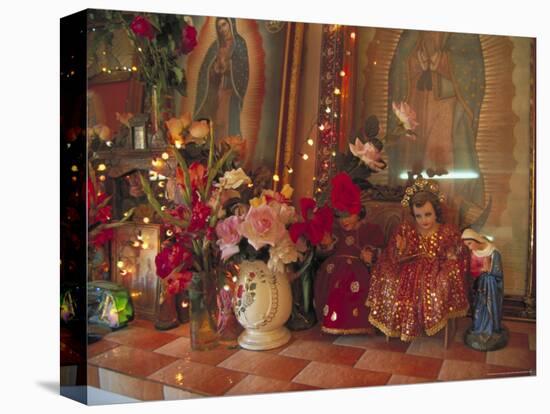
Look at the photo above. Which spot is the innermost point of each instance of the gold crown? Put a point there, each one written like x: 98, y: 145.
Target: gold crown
x: 421, y: 184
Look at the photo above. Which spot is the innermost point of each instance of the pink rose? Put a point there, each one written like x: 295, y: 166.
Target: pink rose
x: 142, y: 27
x: 228, y: 236
x: 368, y: 153
x: 406, y: 115
x: 261, y: 227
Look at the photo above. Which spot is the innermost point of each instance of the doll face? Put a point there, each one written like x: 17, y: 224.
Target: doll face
x: 349, y: 222
x: 223, y: 28
x: 425, y: 216
x: 472, y: 245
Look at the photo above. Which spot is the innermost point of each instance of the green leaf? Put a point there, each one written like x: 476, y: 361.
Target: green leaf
x: 252, y: 286
x: 178, y: 72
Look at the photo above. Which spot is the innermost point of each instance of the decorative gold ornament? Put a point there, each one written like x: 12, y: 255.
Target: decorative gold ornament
x: 421, y: 184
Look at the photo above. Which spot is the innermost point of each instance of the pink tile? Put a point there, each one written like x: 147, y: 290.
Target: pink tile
x: 513, y: 357
x: 434, y: 347
x: 453, y: 370
x: 140, y: 338
x: 198, y: 378
x: 522, y: 327
x: 404, y: 379
x: 131, y: 361
x: 373, y: 342
x: 323, y: 352
x: 314, y: 334
x: 254, y: 384
x: 399, y: 363
x: 99, y: 347
x: 265, y: 364
x: 181, y: 330
x: 518, y: 340
x: 133, y: 387
x: 323, y: 375
x: 142, y: 323
x: 181, y: 349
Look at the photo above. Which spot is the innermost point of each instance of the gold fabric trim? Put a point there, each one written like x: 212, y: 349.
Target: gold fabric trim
x: 345, y: 331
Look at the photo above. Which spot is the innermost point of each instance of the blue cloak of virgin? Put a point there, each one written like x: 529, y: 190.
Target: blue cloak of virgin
x: 238, y: 76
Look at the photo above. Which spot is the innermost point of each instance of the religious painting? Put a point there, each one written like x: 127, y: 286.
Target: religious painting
x: 133, y: 265
x: 473, y: 131
x: 239, y: 77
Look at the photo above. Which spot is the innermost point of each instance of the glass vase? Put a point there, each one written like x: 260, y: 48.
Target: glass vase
x: 203, y: 312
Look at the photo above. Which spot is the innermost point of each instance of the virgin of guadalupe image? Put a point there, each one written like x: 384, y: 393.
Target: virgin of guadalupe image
x: 223, y: 80
x: 442, y: 77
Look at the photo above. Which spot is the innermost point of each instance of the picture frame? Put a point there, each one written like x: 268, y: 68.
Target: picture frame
x: 134, y: 248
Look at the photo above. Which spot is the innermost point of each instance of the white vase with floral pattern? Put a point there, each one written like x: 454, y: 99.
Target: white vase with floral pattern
x: 263, y: 303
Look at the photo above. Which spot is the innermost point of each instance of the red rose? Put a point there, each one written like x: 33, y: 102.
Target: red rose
x: 240, y: 291
x: 313, y: 228
x: 142, y: 27
x: 179, y: 282
x: 188, y: 39
x: 345, y: 196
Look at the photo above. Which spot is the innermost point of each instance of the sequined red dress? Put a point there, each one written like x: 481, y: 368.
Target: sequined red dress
x: 342, y: 282
x: 416, y: 292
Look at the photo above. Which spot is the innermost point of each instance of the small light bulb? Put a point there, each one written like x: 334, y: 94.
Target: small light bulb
x: 334, y: 153
x: 234, y: 279
x: 314, y: 178
x: 342, y: 73
x: 305, y: 157
x: 145, y: 246
x: 101, y: 167
x: 184, y: 304
x: 139, y: 48
x: 123, y: 272
x: 163, y: 208
x: 226, y: 287
x: 322, y: 127
x: 337, y: 91
x: 162, y: 184
x: 290, y: 170
x: 102, y: 178
x: 335, y: 115
x: 250, y: 185
x: 352, y: 35
x: 327, y: 110
x: 74, y: 178
x: 109, y: 143
x: 275, y: 178
x: 169, y: 233
x: 120, y: 264
x: 104, y: 69
x: 165, y: 156
x: 178, y: 144
x: 74, y: 168
x: 310, y: 142
x: 146, y: 220
x: 135, y: 243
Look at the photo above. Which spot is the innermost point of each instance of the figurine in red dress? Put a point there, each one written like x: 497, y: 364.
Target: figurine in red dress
x: 419, y: 281
x: 342, y: 282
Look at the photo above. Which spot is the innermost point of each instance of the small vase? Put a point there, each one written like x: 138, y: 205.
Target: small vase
x: 166, y: 316
x: 203, y: 312
x: 262, y: 306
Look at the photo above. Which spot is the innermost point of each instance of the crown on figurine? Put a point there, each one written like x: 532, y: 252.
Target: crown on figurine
x: 421, y: 184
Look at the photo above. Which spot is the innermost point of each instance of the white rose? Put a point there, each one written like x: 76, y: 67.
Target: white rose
x: 234, y: 179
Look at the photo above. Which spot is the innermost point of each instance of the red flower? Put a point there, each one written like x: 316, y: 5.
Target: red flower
x: 142, y: 27
x: 345, y: 196
x: 199, y: 216
x: 188, y: 39
x: 313, y: 228
x: 104, y: 214
x: 171, y: 257
x: 197, y: 176
x: 102, y: 237
x: 179, y: 282
x: 240, y: 291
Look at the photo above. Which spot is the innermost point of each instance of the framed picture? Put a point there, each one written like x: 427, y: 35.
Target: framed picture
x: 251, y: 92
x: 474, y: 105
x: 133, y: 265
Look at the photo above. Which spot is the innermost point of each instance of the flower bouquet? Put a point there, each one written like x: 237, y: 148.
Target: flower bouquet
x: 204, y: 180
